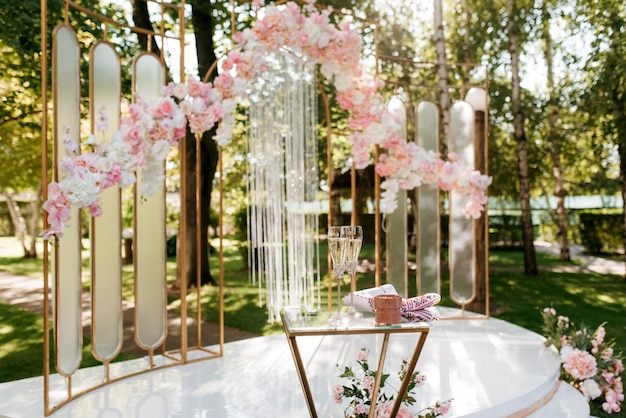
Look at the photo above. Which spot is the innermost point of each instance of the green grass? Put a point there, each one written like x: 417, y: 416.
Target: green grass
x: 588, y: 298
x: 21, y: 345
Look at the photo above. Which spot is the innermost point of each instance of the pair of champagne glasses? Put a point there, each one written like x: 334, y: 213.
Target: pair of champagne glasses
x: 344, y: 246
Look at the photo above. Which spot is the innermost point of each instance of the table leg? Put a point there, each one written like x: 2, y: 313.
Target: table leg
x: 379, y: 375
x: 304, y: 382
x: 409, y: 372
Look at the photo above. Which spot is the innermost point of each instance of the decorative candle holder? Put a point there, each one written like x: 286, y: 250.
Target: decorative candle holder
x: 387, y: 309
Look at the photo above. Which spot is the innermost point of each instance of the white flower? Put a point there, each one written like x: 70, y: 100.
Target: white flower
x: 224, y: 133
x: 186, y: 106
x: 91, y: 140
x: 198, y: 106
x: 343, y: 82
x: 590, y: 389
x: 375, y: 133
x: 329, y: 69
x: 159, y: 150
x: 229, y: 106
x: 152, y: 177
x: 80, y: 191
x: 388, y: 201
x: 180, y: 90
x: 127, y: 178
x: 239, y: 87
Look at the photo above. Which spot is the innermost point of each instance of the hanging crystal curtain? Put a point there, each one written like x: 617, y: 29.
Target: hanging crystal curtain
x: 283, y: 184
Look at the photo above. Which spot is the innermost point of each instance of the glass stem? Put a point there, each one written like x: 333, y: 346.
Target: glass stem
x: 352, y: 289
x: 338, y: 296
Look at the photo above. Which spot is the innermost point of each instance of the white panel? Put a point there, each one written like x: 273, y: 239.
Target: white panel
x: 397, y: 228
x: 149, y: 236
x: 106, y: 261
x: 428, y: 240
x: 67, y: 290
x: 462, y: 277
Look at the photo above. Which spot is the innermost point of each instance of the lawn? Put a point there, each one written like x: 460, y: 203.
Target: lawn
x: 588, y: 298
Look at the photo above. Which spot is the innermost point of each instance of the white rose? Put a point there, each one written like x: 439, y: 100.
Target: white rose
x: 375, y: 133
x: 81, y: 192
x: 590, y: 389
x: 343, y: 82
x: 180, y: 90
x: 186, y: 106
x: 179, y: 120
x: 198, y: 106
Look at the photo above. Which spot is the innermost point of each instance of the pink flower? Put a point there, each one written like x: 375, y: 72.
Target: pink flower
x: 442, y: 409
x: 95, y: 209
x: 338, y: 393
x: 194, y: 87
x: 164, y: 108
x: 607, y: 354
x: 579, y: 364
x: 368, y: 384
x: 58, y: 209
x: 404, y: 413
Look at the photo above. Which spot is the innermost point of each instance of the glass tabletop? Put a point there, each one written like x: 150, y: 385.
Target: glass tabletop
x: 296, y: 321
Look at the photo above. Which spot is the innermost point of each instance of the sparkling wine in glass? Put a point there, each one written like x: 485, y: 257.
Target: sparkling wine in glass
x: 355, y: 241
x: 337, y: 247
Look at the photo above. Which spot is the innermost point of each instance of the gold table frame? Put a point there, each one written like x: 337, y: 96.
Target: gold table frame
x: 306, y: 326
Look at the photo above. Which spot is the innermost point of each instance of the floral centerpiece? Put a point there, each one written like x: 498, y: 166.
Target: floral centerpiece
x: 359, y: 389
x: 588, y: 361
x: 141, y: 140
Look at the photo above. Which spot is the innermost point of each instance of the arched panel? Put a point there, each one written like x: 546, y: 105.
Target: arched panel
x: 428, y: 216
x: 462, y: 245
x: 149, y: 233
x: 106, y: 264
x: 66, y: 255
x: 397, y: 226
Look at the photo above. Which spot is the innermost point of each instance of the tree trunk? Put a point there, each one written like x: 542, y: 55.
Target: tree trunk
x: 203, y: 30
x: 19, y: 225
x: 141, y: 17
x: 530, y: 262
x: 34, y: 222
x: 442, y: 72
x: 619, y: 114
x: 336, y: 217
x: 555, y: 140
x: 205, y: 52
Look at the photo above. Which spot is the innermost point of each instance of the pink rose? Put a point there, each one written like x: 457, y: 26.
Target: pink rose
x: 165, y: 107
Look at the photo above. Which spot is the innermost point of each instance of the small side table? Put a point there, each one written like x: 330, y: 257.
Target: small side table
x: 311, y: 325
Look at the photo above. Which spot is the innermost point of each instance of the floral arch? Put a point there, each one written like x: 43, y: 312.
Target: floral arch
x: 152, y: 127
x: 137, y: 144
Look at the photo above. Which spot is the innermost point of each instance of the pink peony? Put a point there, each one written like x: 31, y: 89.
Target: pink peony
x: 579, y: 364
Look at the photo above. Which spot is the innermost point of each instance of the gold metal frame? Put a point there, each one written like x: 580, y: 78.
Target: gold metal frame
x: 292, y: 331
x: 481, y: 226
x: 171, y: 357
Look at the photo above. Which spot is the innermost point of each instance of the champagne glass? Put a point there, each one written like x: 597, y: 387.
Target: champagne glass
x: 337, y: 247
x: 355, y: 241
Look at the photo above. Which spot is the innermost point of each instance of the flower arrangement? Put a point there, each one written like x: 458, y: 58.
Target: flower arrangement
x: 360, y: 386
x: 142, y: 138
x: 142, y: 143
x: 588, y: 361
